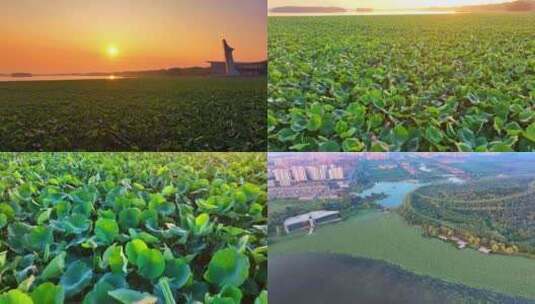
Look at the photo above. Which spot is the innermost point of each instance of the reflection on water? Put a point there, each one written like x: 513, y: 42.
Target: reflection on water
x: 331, y: 278
x: 55, y: 78
x: 373, y: 13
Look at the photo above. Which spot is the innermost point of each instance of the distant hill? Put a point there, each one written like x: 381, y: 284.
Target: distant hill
x: 192, y: 71
x: 308, y: 9
x: 514, y: 6
x: 21, y: 75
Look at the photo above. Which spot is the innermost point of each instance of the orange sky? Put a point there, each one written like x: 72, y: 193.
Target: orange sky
x: 68, y: 36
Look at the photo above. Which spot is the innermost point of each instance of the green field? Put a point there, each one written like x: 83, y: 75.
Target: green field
x: 387, y: 237
x: 146, y: 114
x: 462, y: 82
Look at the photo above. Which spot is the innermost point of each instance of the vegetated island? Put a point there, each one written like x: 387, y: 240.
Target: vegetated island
x: 489, y: 215
x: 514, y: 6
x: 308, y: 9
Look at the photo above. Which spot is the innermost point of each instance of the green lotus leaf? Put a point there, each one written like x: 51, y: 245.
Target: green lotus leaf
x: 329, y: 146
x: 50, y: 196
x: 150, y: 218
x: 178, y: 271
x: 134, y: 249
x: 44, y: 216
x: 251, y: 191
x: 75, y: 224
x: 83, y: 208
x: 530, y: 132
x: 151, y: 263
x: 25, y: 191
x: 15, y: 296
x: 161, y: 205
x: 76, y: 278
x: 7, y: 210
x: 48, y: 293
x: 83, y: 195
x: 352, y: 145
x: 100, y: 292
x: 106, y: 230
x: 164, y: 292
x: 262, y: 298
x: 314, y: 122
x: 231, y: 292
x: 221, y: 300
x: 62, y: 208
x: 129, y: 218
x: 401, y: 135
x: 227, y: 267
x: 17, y: 235
x: 115, y: 258
x: 3, y: 220
x: 433, y: 134
x: 40, y: 237
x: 202, y: 220
x: 168, y: 190
x: 55, y: 267
x: 129, y: 296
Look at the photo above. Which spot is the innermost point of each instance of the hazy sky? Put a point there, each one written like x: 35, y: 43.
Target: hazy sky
x: 60, y: 36
x: 380, y: 4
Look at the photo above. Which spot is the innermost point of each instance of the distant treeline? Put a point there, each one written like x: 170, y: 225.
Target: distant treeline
x: 515, y: 6
x: 193, y: 71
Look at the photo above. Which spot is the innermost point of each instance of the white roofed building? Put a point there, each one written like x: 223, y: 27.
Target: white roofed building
x: 302, y: 221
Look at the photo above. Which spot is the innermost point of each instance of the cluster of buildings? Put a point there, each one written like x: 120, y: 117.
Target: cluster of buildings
x: 461, y: 244
x: 307, y: 182
x: 285, y: 177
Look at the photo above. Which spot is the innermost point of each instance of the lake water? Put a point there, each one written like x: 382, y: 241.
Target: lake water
x: 312, y: 278
x: 395, y: 191
x: 56, y: 78
x: 374, y: 13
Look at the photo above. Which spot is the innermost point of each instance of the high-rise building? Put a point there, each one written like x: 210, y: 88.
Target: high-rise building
x: 324, y: 172
x: 313, y: 173
x: 283, y: 176
x: 299, y: 174
x: 336, y: 172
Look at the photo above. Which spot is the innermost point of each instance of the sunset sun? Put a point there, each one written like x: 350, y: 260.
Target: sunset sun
x: 112, y: 51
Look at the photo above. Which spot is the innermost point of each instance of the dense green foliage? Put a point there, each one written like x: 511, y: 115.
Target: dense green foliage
x: 389, y: 238
x: 145, y: 114
x: 498, y: 210
x: 133, y: 228
x: 402, y: 83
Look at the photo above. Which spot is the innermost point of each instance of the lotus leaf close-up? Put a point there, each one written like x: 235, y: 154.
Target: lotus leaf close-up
x: 133, y: 228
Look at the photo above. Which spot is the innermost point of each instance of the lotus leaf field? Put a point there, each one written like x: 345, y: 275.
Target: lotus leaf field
x: 460, y: 82
x: 134, y: 114
x: 132, y: 228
